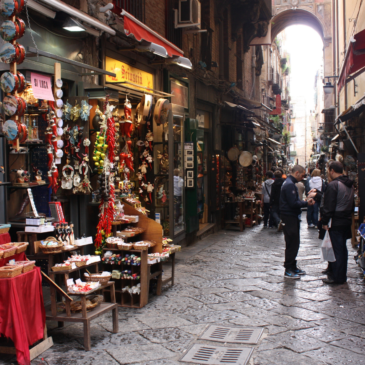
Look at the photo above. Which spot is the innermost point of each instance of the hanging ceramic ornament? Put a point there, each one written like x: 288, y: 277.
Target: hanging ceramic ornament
x: 75, y: 113
x: 67, y: 110
x: 85, y: 110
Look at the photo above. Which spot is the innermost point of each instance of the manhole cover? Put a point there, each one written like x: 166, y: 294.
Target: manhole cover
x: 232, y: 335
x: 202, y: 354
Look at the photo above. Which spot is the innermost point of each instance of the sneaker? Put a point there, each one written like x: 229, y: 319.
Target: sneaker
x: 311, y: 225
x: 291, y: 275
x: 299, y: 271
x: 315, y: 227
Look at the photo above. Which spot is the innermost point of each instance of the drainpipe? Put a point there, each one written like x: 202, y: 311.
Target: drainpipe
x: 334, y: 52
x: 338, y: 50
x: 253, y: 74
x: 344, y: 40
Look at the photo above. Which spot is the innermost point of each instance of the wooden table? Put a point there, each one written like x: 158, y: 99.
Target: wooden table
x: 240, y: 221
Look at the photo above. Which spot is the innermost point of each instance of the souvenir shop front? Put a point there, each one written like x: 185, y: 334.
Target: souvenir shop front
x: 247, y: 153
x: 93, y: 185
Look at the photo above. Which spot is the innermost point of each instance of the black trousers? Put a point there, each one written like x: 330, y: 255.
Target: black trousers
x: 291, y: 230
x: 339, y: 267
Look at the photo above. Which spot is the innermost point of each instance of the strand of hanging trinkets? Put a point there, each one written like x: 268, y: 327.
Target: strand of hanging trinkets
x: 106, y: 181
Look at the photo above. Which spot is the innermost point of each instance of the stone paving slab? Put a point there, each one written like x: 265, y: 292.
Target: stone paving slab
x: 305, y: 322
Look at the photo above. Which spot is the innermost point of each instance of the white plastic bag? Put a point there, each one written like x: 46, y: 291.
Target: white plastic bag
x: 327, y: 253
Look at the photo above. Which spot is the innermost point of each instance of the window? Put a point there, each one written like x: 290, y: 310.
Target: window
x: 134, y: 7
x: 172, y: 34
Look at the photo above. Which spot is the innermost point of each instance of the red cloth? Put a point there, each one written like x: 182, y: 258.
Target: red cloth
x: 19, y: 257
x: 131, y: 27
x: 4, y: 238
x: 22, y: 314
x: 355, y: 59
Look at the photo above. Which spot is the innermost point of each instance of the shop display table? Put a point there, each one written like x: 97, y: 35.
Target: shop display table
x: 4, y: 238
x: 240, y: 221
x: 22, y: 314
x: 84, y: 316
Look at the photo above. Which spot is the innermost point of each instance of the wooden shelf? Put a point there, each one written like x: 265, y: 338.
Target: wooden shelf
x: 73, y: 270
x: 91, y: 291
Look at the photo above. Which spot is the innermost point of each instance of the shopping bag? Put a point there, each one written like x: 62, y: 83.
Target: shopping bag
x: 327, y: 253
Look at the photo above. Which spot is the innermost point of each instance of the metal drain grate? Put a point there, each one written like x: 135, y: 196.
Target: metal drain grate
x: 202, y: 354
x: 232, y: 335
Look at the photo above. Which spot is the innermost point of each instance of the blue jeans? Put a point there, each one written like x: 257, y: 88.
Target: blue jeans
x: 312, y: 214
x: 275, y: 214
x: 339, y: 267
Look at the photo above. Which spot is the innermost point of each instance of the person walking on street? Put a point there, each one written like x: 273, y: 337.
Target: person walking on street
x: 316, y: 182
x: 290, y: 208
x: 338, y: 206
x: 275, y: 197
x: 266, y: 193
x: 309, y: 208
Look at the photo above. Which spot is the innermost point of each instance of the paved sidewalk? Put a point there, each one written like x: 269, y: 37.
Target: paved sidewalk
x: 235, y: 279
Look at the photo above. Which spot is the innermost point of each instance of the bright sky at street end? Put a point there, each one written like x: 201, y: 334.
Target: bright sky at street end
x: 305, y: 47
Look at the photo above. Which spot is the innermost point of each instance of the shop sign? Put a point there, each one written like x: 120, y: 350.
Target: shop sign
x: 127, y: 73
x: 42, y: 86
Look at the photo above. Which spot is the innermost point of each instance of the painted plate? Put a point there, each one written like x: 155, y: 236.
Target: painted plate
x: 245, y: 159
x: 60, y: 143
x: 60, y: 123
x: 8, y: 31
x: 59, y: 83
x: 7, y: 53
x: 10, y: 130
x: 8, y: 82
x: 59, y: 113
x: 7, y: 7
x: 10, y: 105
x: 59, y: 103
x: 59, y: 93
x: 233, y: 153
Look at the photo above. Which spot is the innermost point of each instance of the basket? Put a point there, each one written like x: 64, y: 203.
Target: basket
x: 61, y: 268
x: 133, y: 233
x: 4, y: 228
x: 28, y: 266
x: 112, y: 245
x: 95, y: 277
x: 10, y: 271
x: 9, y: 252
x: 92, y: 301
x: 121, y: 235
x: 80, y: 263
x: 53, y: 249
x: 125, y: 246
x: 1, y: 254
x: 141, y: 247
x: 21, y: 247
x: 64, y: 248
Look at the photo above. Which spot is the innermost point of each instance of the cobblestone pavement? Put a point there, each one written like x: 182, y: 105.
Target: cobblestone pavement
x: 235, y: 279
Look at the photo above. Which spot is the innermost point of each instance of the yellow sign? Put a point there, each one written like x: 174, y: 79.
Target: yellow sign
x: 127, y: 73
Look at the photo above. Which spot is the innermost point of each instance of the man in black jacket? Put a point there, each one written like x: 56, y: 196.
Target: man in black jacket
x: 338, y: 207
x: 275, y: 197
x: 290, y: 209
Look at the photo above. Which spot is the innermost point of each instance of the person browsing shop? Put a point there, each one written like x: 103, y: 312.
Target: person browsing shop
x: 275, y: 197
x: 266, y: 193
x: 290, y: 209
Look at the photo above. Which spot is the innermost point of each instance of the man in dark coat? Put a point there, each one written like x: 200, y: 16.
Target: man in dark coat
x: 290, y: 209
x: 338, y: 207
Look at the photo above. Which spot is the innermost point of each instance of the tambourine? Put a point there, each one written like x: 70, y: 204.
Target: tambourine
x: 59, y: 131
x: 59, y: 113
x: 59, y: 153
x: 161, y: 112
x: 59, y: 93
x: 8, y: 53
x: 20, y: 54
x: 145, y: 107
x: 10, y: 130
x: 9, y: 82
x: 9, y: 8
x: 22, y: 106
x: 9, y: 31
x: 59, y: 83
x: 60, y: 123
x: 60, y: 143
x: 23, y: 133
x: 10, y: 105
x: 21, y: 25
x: 21, y: 87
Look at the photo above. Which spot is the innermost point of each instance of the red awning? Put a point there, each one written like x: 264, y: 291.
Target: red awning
x: 136, y: 29
x: 277, y: 110
x: 354, y: 59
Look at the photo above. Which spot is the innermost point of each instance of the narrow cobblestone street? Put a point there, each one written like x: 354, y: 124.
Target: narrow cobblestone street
x: 234, y: 279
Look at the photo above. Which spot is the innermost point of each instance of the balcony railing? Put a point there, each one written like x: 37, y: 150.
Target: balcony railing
x: 134, y: 7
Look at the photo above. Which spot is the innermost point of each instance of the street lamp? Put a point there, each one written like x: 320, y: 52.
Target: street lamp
x: 328, y: 87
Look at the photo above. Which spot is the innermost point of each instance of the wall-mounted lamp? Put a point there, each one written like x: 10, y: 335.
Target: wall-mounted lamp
x: 180, y: 61
x: 73, y: 25
x: 328, y: 87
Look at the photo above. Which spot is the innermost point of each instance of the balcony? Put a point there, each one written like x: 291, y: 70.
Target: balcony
x: 293, y: 153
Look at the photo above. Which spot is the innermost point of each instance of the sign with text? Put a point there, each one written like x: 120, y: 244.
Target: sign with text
x: 42, y: 86
x: 125, y: 73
